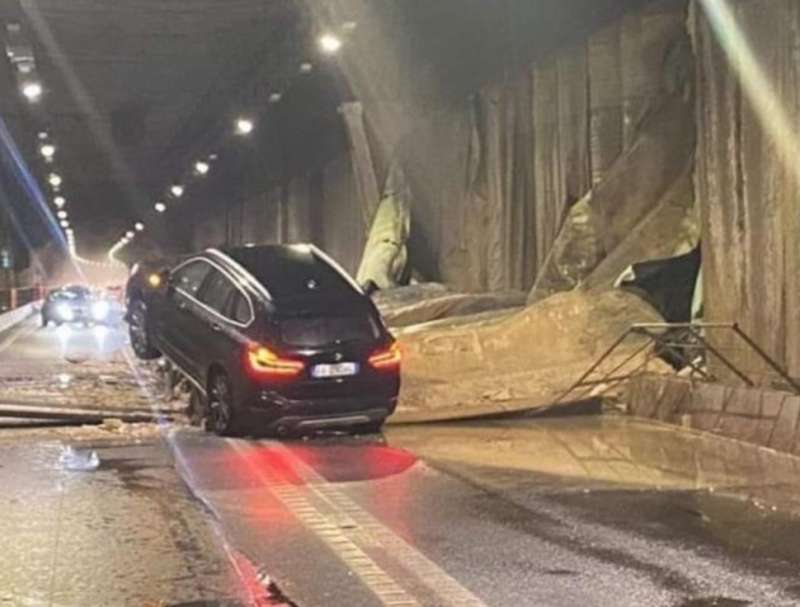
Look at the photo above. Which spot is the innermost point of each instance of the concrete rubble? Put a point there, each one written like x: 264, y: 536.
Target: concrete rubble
x: 91, y: 391
x: 406, y: 306
x: 510, y: 362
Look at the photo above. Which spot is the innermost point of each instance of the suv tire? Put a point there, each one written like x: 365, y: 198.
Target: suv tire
x: 139, y: 332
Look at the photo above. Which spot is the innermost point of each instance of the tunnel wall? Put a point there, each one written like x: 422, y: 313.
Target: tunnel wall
x: 766, y: 417
x: 492, y: 175
x: 747, y: 184
x: 320, y: 207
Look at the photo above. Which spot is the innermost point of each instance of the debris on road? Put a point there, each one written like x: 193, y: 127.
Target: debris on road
x: 80, y: 460
x: 515, y: 362
x: 130, y: 532
x: 112, y: 424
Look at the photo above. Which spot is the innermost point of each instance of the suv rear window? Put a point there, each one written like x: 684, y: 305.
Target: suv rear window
x: 315, y: 332
x: 292, y: 271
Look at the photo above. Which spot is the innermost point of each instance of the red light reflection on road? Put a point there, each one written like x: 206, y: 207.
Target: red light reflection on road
x: 353, y: 463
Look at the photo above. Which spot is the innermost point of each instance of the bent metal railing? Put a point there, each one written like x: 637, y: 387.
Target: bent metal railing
x: 687, y: 348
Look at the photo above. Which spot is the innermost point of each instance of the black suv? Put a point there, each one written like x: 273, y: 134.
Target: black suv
x: 275, y: 338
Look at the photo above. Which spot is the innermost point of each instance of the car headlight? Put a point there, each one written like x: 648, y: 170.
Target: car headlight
x: 64, y: 312
x: 100, y: 310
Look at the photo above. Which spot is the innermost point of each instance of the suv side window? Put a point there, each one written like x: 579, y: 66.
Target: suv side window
x: 217, y: 291
x: 190, y: 277
x: 239, y: 308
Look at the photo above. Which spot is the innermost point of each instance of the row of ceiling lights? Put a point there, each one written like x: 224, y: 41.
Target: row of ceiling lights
x: 20, y: 54
x: 47, y: 149
x: 329, y: 44
x: 31, y: 89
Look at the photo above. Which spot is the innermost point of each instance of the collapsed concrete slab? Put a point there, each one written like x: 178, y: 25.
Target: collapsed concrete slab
x: 451, y: 305
x: 390, y: 300
x: 503, y: 363
x: 644, y: 209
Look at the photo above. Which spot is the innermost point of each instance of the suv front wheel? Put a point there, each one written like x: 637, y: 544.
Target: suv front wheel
x: 139, y: 332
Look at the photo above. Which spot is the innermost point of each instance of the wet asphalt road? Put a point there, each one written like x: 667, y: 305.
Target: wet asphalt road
x: 591, y: 510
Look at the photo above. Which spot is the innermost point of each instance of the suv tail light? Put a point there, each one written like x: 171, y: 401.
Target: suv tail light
x: 263, y: 362
x: 388, y: 359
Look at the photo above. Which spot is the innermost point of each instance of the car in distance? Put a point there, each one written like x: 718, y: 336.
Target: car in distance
x: 276, y: 338
x: 75, y: 304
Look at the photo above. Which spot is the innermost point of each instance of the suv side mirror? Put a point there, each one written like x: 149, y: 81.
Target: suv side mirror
x: 370, y: 287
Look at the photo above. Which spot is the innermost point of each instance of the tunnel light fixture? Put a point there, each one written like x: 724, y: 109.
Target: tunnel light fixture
x: 59, y: 201
x: 201, y: 167
x: 32, y: 90
x: 70, y: 233
x: 275, y: 97
x: 177, y: 190
x: 330, y: 44
x: 306, y: 67
x: 64, y: 223
x: 130, y: 234
x: 61, y: 214
x: 42, y: 135
x: 244, y: 126
x: 47, y: 150
x: 139, y: 226
x: 54, y: 179
x: 160, y: 207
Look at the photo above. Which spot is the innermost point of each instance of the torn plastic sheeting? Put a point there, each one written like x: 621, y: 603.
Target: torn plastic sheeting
x: 668, y: 284
x: 385, y: 254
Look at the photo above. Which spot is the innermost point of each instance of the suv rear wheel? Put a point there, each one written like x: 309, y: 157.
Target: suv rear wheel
x: 139, y: 332
x: 224, y: 418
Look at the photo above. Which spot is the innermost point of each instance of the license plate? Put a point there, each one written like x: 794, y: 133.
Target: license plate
x: 336, y: 370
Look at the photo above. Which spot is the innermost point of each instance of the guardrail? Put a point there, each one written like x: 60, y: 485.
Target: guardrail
x: 11, y: 299
x: 690, y: 350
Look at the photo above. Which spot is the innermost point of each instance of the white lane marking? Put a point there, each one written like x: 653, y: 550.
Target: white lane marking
x: 349, y: 527
x: 167, y: 433
x: 385, y: 588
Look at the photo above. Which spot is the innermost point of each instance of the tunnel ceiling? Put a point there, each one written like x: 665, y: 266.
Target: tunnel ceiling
x: 135, y: 89
x: 131, y: 86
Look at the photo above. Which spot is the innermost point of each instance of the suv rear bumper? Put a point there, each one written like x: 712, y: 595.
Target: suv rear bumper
x: 293, y: 423
x: 283, y: 415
